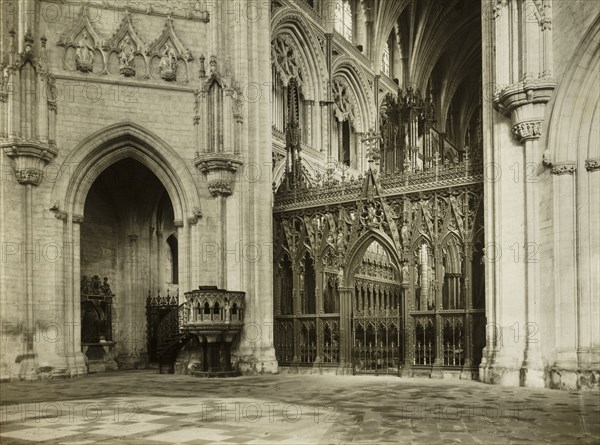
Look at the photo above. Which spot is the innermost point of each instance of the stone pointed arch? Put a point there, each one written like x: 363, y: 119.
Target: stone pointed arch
x: 290, y: 24
x: 111, y: 144
x: 347, y: 69
x: 357, y: 251
x: 576, y: 105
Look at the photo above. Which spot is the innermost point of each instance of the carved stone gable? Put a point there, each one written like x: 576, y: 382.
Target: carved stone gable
x: 127, y: 43
x: 170, y: 50
x: 85, y: 40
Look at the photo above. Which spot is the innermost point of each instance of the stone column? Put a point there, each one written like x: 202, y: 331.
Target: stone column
x: 74, y: 311
x: 345, y: 330
x: 566, y: 262
x: 523, y: 75
x: 468, y: 304
x: 184, y: 259
x: 320, y: 283
x: 309, y: 104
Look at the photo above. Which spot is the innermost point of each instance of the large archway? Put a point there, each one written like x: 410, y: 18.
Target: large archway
x: 377, y: 311
x: 128, y: 239
x: 172, y: 191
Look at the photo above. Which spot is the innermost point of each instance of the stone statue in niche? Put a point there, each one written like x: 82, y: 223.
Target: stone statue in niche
x: 127, y: 57
x: 227, y: 312
x: 168, y: 63
x: 84, y: 55
x: 416, y: 276
x: 405, y: 273
x: 404, y: 235
x: 105, y: 287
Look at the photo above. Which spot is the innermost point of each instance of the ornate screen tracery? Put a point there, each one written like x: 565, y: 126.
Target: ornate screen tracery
x: 386, y: 272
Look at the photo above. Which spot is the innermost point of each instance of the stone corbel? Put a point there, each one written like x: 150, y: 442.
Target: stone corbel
x: 220, y: 170
x: 525, y: 104
x: 30, y: 158
x: 214, y: 162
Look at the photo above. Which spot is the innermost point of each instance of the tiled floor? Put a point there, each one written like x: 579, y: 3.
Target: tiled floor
x: 142, y: 407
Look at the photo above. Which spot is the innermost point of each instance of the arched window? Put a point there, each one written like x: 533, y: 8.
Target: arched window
x: 309, y: 298
x: 385, y: 60
x: 345, y: 148
x: 286, y: 284
x: 278, y: 102
x: 215, y: 118
x: 343, y: 19
x: 172, y: 243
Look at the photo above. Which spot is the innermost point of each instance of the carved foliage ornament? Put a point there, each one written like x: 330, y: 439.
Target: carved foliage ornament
x: 562, y: 168
x: 592, y: 164
x: 527, y: 130
x: 219, y: 187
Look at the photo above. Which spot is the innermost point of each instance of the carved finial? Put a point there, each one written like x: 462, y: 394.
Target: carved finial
x: 28, y: 43
x: 43, y: 39
x: 213, y: 64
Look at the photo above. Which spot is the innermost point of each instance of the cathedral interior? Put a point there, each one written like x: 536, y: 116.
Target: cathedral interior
x: 333, y: 190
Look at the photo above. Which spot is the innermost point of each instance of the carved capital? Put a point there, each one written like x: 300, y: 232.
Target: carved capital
x: 29, y: 176
x: 563, y: 168
x: 178, y: 223
x: 78, y: 219
x: 196, y: 215
x: 527, y: 130
x: 219, y: 187
x: 592, y: 165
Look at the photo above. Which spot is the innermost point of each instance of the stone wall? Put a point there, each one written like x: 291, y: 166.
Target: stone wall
x: 75, y: 123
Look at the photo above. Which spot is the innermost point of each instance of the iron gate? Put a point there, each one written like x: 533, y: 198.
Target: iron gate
x: 156, y: 309
x: 377, y: 341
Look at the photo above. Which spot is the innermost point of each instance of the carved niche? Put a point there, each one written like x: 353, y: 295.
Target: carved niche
x: 84, y: 40
x: 171, y: 53
x: 127, y: 44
